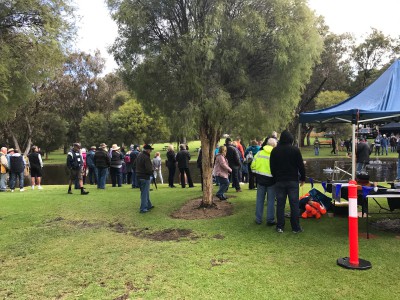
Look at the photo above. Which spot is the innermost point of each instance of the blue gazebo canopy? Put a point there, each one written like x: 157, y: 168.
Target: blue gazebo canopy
x: 380, y: 100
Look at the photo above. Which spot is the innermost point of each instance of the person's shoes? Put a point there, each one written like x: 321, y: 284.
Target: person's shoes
x: 144, y: 211
x: 12, y: 191
x: 151, y: 207
x: 258, y: 222
x: 83, y: 192
x: 279, y: 230
x: 32, y: 187
x: 22, y: 190
x: 298, y: 231
x: 191, y: 186
x: 69, y: 192
x: 40, y: 187
x: 271, y: 223
x: 238, y: 191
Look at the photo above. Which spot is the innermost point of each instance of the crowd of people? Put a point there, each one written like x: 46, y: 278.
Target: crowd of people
x: 273, y: 168
x: 15, y: 167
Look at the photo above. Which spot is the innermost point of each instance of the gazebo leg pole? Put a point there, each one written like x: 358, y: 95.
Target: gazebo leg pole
x: 353, y: 150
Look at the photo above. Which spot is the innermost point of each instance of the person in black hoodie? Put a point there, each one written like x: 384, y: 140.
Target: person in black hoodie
x: 234, y: 163
x: 286, y: 167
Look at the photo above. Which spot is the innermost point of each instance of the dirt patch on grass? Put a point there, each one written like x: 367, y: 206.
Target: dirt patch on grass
x: 391, y: 225
x: 192, y: 210
x: 169, y: 234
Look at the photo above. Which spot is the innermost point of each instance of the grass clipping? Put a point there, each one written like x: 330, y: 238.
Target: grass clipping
x: 193, y: 210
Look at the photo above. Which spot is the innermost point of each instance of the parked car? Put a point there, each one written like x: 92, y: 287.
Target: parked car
x: 329, y: 134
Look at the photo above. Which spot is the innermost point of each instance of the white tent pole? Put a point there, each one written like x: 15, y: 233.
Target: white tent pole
x: 353, y: 150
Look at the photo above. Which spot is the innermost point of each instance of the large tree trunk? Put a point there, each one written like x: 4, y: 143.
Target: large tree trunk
x: 208, y: 137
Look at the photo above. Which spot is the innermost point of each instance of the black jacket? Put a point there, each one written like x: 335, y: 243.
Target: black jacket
x: 143, y: 166
x: 232, y: 156
x: 101, y: 159
x: 171, y: 160
x: 116, y: 159
x: 286, y: 160
x: 362, y: 153
x: 183, y: 158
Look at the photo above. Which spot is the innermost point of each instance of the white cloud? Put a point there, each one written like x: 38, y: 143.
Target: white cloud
x: 358, y: 16
x: 96, y: 30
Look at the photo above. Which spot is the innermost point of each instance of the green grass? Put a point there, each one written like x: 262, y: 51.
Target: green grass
x: 59, y: 246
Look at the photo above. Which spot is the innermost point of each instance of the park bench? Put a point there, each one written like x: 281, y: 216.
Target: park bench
x: 325, y: 143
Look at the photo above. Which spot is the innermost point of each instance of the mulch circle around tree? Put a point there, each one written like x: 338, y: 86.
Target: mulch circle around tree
x: 192, y: 210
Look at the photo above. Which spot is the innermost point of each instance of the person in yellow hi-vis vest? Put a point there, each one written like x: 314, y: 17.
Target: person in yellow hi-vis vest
x: 265, y: 183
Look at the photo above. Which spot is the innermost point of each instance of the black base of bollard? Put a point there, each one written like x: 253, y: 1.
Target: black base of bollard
x: 362, y: 264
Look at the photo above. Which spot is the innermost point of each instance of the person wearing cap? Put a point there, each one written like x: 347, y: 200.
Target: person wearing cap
x: 17, y: 167
x: 234, y: 163
x: 144, y: 170
x: 36, y: 166
x: 253, y: 148
x: 183, y: 157
x: 116, y: 166
x: 3, y: 169
x: 102, y: 162
x: 92, y: 170
x: 75, y: 165
x: 132, y: 156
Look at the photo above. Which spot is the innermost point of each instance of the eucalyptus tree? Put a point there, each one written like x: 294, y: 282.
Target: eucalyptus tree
x: 204, y: 59
x: 371, y: 55
x: 33, y: 34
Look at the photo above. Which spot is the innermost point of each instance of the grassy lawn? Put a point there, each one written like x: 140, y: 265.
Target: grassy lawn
x: 59, y: 246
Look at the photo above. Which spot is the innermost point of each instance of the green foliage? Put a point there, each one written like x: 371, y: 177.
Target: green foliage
x: 330, y: 98
x: 371, y: 55
x: 129, y: 124
x: 49, y: 132
x: 32, y: 33
x: 94, y: 129
x: 174, y: 55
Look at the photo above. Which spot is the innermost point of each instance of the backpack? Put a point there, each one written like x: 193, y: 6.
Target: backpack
x: 127, y: 159
x: 249, y: 157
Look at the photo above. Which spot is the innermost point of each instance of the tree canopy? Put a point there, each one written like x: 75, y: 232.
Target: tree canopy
x: 208, y: 58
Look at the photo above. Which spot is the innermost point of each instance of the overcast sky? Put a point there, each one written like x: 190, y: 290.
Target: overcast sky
x: 98, y: 31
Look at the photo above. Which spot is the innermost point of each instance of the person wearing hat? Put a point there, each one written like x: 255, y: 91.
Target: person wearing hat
x: 102, y: 162
x: 250, y: 153
x: 116, y: 166
x: 3, y: 169
x: 92, y: 170
x: 75, y: 165
x: 144, y: 170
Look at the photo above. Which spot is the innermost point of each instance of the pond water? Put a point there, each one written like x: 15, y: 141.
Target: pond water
x: 382, y: 170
